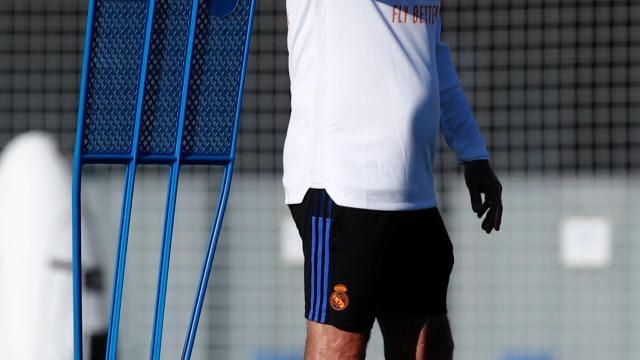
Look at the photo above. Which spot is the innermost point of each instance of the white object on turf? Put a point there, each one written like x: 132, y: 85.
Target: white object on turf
x: 36, y: 314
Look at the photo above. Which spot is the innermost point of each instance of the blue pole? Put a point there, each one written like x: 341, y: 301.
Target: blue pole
x: 77, y: 261
x: 76, y: 199
x: 208, y: 265
x: 125, y: 221
x: 121, y: 256
x: 165, y: 253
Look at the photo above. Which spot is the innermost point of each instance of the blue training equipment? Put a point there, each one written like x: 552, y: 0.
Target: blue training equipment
x: 162, y: 83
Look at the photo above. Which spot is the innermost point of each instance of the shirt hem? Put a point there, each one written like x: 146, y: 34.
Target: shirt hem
x: 339, y: 196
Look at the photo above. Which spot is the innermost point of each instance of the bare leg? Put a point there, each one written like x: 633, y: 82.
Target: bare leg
x: 325, y: 342
x: 417, y: 338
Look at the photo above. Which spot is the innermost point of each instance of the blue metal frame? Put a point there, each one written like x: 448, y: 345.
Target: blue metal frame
x: 127, y: 201
x: 165, y: 252
x: 131, y: 160
x: 222, y: 203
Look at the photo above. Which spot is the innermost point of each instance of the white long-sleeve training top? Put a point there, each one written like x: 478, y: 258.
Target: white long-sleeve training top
x: 372, y: 86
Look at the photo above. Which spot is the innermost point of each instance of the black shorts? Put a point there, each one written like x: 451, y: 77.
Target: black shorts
x: 361, y: 264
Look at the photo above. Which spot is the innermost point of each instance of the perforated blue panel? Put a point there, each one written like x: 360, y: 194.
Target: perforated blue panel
x: 215, y: 80
x: 165, y: 75
x: 113, y: 78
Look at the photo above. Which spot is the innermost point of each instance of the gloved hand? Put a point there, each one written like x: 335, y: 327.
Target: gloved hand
x: 481, y: 179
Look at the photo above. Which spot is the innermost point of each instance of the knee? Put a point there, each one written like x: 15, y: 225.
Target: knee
x: 325, y: 342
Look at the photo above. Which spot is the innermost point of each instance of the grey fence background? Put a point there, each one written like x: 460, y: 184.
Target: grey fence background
x: 556, y: 89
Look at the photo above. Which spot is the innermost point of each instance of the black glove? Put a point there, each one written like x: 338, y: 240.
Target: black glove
x: 481, y: 179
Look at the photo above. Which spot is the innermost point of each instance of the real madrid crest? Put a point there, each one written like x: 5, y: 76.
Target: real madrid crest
x: 339, y: 299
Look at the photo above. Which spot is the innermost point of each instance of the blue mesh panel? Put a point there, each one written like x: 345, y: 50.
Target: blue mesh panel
x: 112, y: 88
x: 164, y: 76
x: 215, y: 80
